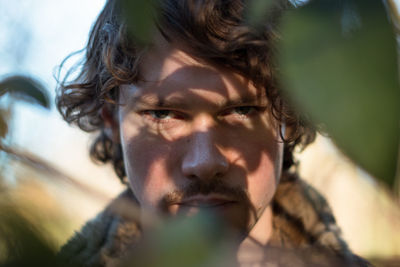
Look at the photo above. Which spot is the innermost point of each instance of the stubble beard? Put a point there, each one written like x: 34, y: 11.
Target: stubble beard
x: 235, y: 221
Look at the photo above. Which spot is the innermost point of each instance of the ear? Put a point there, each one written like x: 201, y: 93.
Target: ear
x: 111, y: 123
x: 286, y: 131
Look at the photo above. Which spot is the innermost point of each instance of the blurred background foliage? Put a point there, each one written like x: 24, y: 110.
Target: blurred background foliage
x: 21, y: 238
x: 338, y: 61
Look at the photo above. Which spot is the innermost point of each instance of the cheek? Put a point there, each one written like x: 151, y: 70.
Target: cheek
x: 262, y: 182
x: 146, y: 163
x: 264, y: 163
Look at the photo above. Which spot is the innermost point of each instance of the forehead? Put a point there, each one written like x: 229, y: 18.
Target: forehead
x: 167, y: 71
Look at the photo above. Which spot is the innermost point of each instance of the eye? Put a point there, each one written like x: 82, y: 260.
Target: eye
x: 241, y: 111
x: 246, y: 110
x: 159, y: 114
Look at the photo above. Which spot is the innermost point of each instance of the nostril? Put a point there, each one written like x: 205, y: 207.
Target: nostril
x: 216, y: 168
x: 192, y: 177
x: 218, y: 175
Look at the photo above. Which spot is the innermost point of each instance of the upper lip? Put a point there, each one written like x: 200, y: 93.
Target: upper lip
x: 203, y: 201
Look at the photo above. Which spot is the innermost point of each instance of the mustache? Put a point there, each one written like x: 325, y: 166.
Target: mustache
x: 201, y: 187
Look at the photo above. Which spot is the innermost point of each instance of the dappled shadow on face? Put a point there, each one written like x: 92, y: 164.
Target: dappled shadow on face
x: 236, y: 212
x: 210, y: 93
x: 155, y: 152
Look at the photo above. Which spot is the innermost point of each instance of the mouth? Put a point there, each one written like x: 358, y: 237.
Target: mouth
x: 206, y: 202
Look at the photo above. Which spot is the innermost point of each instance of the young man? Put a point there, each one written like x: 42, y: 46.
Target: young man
x: 195, y: 121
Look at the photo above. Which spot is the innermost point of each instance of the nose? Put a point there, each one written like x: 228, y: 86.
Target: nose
x: 203, y: 159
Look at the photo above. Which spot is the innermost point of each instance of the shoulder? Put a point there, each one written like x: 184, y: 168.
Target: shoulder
x: 304, y: 220
x: 105, y: 237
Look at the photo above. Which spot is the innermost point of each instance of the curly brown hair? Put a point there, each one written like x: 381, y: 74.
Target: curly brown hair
x: 213, y: 31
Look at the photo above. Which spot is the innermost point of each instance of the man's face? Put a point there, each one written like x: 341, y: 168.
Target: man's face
x: 197, y: 137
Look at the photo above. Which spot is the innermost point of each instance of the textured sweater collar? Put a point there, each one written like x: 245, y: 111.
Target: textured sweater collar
x: 302, y: 220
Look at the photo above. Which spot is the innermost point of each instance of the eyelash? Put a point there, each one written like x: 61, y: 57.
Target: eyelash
x: 157, y: 117
x: 249, y: 110
x: 171, y: 114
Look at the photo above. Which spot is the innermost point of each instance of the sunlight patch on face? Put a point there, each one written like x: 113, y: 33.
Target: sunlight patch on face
x: 128, y: 121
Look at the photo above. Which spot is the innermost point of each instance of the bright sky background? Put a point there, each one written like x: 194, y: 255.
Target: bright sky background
x: 35, y: 37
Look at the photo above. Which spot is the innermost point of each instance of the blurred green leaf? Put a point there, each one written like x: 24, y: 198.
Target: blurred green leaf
x: 339, y: 64
x: 25, y: 88
x: 257, y: 11
x: 21, y: 243
x: 4, y: 116
x: 181, y: 242
x: 140, y: 16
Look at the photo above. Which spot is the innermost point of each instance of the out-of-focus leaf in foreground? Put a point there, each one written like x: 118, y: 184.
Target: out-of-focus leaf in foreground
x: 339, y: 64
x: 140, y: 16
x: 21, y: 243
x: 4, y: 117
x: 258, y: 10
x: 25, y: 88
x: 181, y: 242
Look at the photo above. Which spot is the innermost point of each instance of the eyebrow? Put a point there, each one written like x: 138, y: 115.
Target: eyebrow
x: 246, y: 100
x: 152, y: 101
